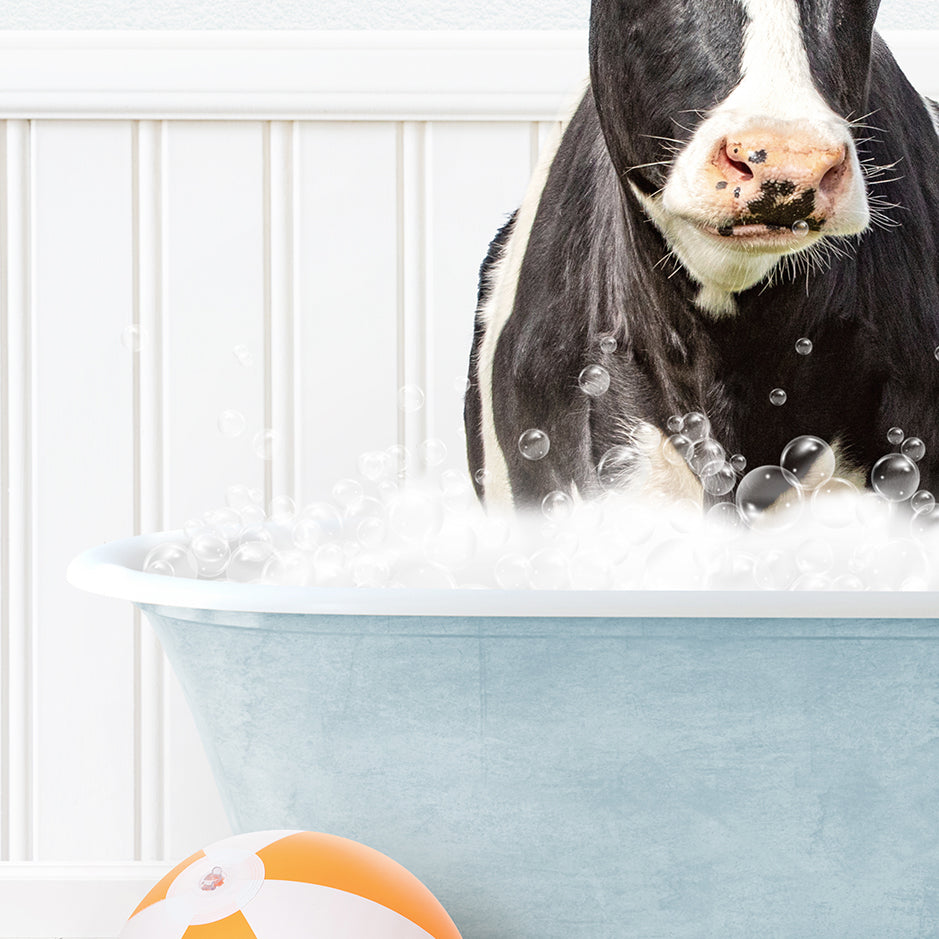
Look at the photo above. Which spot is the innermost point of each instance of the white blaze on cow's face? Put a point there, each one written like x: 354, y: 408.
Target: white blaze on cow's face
x: 770, y: 171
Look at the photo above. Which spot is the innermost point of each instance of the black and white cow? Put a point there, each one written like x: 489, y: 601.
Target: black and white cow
x: 739, y: 175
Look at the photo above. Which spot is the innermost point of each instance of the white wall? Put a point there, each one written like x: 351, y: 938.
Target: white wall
x: 349, y: 14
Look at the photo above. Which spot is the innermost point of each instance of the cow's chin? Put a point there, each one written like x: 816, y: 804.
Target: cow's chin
x: 725, y: 264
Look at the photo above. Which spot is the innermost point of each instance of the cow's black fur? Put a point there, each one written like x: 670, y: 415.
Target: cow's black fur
x: 591, y: 269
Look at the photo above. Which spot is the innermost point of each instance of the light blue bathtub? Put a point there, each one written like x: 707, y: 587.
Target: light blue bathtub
x: 581, y: 766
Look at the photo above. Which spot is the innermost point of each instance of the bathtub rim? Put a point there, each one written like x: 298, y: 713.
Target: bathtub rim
x: 112, y: 570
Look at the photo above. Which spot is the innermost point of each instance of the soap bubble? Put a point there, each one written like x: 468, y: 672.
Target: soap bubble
x: 511, y: 571
x: 370, y: 571
x: 739, y: 462
x: 132, y: 337
x: 622, y: 465
x: 265, y: 443
x: 231, y: 423
x: 888, y: 564
x: 226, y: 522
x: 318, y: 523
x: 374, y: 465
x: 895, y: 477
x: 400, y: 458
x: 778, y: 397
x: 238, y: 496
x: 696, y: 426
x: 457, y: 490
x: 288, y: 568
x: 433, y: 452
x: 720, y: 481
x: 914, y: 448
x: 775, y: 570
x: 371, y: 531
x: 936, y: 352
x: 873, y: 510
x: 348, y: 493
x: 248, y: 561
x: 243, y: 354
x: 594, y: 380
x: 548, y: 569
x: 283, y: 509
x: 922, y: 501
x: 170, y: 559
x: 833, y: 503
x: 769, y: 497
x: 724, y: 516
x: 804, y: 346
x: 557, y: 505
x: 210, y: 553
x: 707, y: 458
x: 607, y: 344
x: 809, y: 459
x: 679, y: 451
x: 410, y: 398
x: 814, y: 555
x: 482, y: 475
x: 534, y: 444
x: 801, y: 228
x: 675, y: 424
x: 895, y: 436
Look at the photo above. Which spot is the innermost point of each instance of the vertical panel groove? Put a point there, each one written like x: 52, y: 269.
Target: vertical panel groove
x: 18, y: 600
x: 148, y: 480
x: 412, y: 284
x: 279, y: 289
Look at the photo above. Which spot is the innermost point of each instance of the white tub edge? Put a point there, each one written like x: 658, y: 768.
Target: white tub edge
x: 111, y: 570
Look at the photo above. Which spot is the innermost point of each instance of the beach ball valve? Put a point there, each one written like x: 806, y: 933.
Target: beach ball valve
x: 289, y: 885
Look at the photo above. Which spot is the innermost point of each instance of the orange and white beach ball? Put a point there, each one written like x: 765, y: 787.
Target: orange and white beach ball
x: 288, y: 885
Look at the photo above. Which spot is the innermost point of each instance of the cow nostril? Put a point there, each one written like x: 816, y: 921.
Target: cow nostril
x: 832, y: 178
x: 734, y: 170
x: 742, y: 168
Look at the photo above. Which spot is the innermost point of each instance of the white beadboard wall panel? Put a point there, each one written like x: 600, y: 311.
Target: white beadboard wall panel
x: 84, y: 486
x: 476, y: 181
x: 213, y: 302
x: 347, y: 315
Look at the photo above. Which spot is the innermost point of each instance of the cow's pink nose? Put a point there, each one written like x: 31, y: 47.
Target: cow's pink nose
x: 761, y: 170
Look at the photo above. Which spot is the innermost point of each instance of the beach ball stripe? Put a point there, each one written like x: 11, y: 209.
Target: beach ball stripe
x: 289, y: 885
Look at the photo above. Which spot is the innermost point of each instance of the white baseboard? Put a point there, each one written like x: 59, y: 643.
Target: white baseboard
x: 71, y: 901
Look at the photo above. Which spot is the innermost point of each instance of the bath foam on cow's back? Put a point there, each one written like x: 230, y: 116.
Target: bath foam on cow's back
x: 795, y: 525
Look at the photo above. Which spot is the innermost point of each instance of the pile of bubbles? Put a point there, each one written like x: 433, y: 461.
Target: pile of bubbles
x: 794, y: 525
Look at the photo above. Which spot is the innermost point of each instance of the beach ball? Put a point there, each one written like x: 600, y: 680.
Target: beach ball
x: 288, y: 885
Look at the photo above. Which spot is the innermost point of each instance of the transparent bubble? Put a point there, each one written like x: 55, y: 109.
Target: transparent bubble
x: 248, y: 561
x: 847, y: 582
x: 237, y: 496
x: 319, y: 523
x: 231, y: 423
x: 769, y: 497
x: 888, y: 564
x: 775, y: 570
x: 696, y: 426
x: 370, y: 571
x: 557, y: 506
x: 534, y: 444
x: 433, y: 452
x: 739, y: 462
x: 252, y: 514
x: 914, y: 448
x: 264, y: 443
x: 778, y: 397
x: 374, y: 465
x: 329, y: 566
x: 482, y: 475
x: 725, y: 515
x: 872, y: 510
x: 410, y: 398
x: 895, y: 436
x: 675, y: 424
x: 621, y: 466
x: 348, y: 493
x: 283, y: 509
x: 679, y: 451
x: 936, y: 352
x: 924, y: 527
x: 812, y: 581
x: 193, y: 527
x: 243, y: 354
x: 833, y: 503
x: 801, y: 228
x: 210, y: 553
x: 548, y: 569
x: 511, y: 571
x: 400, y: 458
x: 254, y: 532
x: 895, y: 477
x: 171, y: 560
x: 462, y: 385
x: 922, y: 501
x: 415, y: 516
x: 132, y: 337
x: 720, y: 481
x: 594, y: 380
x: 809, y: 459
x: 607, y: 344
x: 815, y: 555
x: 707, y: 458
x: 804, y: 346
x: 288, y: 569
x: 226, y: 522
x: 371, y: 531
